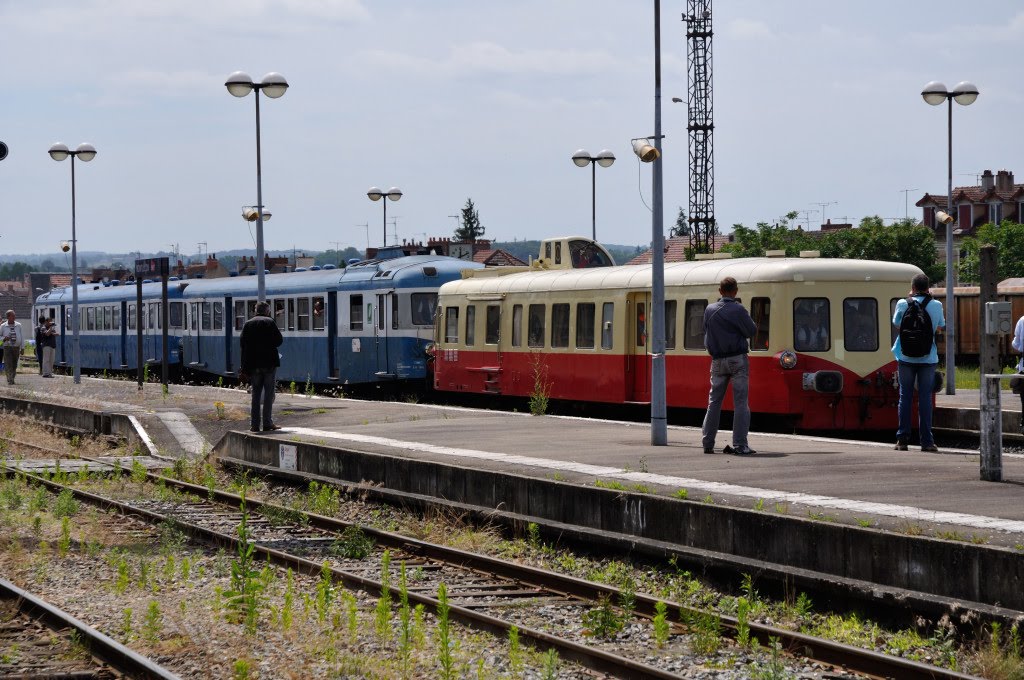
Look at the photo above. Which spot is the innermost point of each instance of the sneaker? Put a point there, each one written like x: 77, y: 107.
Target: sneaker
x: 901, y: 445
x: 930, y: 449
x: 740, y: 450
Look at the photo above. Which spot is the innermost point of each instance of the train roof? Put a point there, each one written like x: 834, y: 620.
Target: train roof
x: 401, y: 271
x: 697, y: 273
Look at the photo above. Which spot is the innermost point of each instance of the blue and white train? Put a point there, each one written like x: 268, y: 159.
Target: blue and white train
x: 368, y: 323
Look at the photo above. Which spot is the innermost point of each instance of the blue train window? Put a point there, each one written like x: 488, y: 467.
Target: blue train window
x: 302, y: 323
x: 218, y: 316
x: 131, y: 317
x: 394, y: 311
x: 280, y: 318
x: 318, y: 314
x: 355, y: 312
x: 423, y: 308
x: 176, y: 319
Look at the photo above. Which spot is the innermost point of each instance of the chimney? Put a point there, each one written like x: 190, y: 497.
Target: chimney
x: 987, y: 180
x: 1004, y: 180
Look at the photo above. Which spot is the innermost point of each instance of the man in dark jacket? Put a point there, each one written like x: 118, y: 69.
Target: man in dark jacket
x: 727, y: 332
x: 260, y: 339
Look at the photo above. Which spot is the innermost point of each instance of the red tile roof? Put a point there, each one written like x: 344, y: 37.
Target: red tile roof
x: 675, y: 249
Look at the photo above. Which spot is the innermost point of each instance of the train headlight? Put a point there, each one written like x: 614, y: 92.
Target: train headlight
x: 826, y: 382
x: 787, y: 359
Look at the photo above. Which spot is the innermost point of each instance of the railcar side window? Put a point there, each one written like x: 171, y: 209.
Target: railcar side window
x: 860, y: 324
x: 535, y: 326
x: 812, y: 330
x: 517, y: 325
x: 423, y: 307
x: 131, y: 317
x: 585, y: 325
x: 250, y: 309
x: 318, y: 314
x: 451, y: 324
x: 394, y: 311
x: 193, y: 315
x: 108, y: 316
x: 693, y: 324
x: 117, y: 318
x: 670, y: 324
x: 90, y: 318
x: 239, y: 314
x: 492, y: 333
x: 303, y: 314
x: 355, y: 312
x: 218, y: 316
x: 205, y: 314
x: 176, y: 320
x: 560, y: 325
x: 607, y: 325
x: 471, y: 324
x: 894, y: 330
x: 280, y: 317
x: 760, y: 312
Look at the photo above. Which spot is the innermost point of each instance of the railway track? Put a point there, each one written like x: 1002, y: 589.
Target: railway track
x: 484, y: 592
x: 38, y: 640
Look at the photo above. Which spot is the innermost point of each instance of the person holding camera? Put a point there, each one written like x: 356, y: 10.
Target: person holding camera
x: 259, y: 340
x: 48, y: 338
x: 13, y: 339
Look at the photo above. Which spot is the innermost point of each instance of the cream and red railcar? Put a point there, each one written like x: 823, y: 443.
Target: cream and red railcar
x: 576, y: 328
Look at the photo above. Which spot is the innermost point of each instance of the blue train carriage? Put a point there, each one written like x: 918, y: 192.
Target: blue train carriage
x: 368, y: 323
x: 107, y: 324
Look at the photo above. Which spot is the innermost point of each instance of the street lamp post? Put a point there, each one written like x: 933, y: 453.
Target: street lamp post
x: 85, y: 152
x: 936, y: 93
x: 605, y: 159
x: 375, y: 194
x: 274, y: 85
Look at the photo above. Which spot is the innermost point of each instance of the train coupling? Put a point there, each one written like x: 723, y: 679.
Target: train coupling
x: 826, y: 382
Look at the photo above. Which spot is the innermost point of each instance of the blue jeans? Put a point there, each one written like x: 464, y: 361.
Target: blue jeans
x: 735, y: 370
x: 924, y: 376
x: 263, y: 384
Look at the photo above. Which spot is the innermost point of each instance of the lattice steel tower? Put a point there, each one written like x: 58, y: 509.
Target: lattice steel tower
x: 700, y: 125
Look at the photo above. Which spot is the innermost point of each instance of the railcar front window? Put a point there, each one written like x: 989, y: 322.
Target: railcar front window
x: 670, y: 324
x: 493, y: 331
x: 560, y: 325
x: 693, y: 324
x: 607, y: 325
x: 451, y: 324
x: 355, y: 312
x: 517, y: 325
x: 860, y: 324
x: 471, y: 324
x: 319, y: 314
x: 423, y: 307
x: 535, y: 326
x: 585, y: 325
x: 760, y: 312
x: 812, y: 330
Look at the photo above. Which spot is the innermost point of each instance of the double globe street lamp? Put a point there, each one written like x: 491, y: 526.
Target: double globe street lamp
x: 84, y: 152
x: 273, y: 85
x: 965, y: 94
x: 582, y: 158
x: 393, y: 194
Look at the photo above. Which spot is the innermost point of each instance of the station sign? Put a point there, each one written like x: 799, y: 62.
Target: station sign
x: 152, y: 267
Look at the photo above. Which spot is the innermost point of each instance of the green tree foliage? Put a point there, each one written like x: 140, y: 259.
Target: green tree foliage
x: 905, y: 241
x: 14, y: 271
x: 1008, y: 238
x: 470, y: 228
x: 682, y: 227
x: 779, y: 236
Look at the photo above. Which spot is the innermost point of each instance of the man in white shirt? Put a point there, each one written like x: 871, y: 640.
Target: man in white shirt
x: 13, y: 339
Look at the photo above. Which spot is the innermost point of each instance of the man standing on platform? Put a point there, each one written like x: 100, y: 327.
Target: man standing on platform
x: 13, y: 339
x: 259, y: 340
x: 727, y: 332
x: 919, y: 318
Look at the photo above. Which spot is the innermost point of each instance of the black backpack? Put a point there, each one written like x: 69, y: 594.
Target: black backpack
x: 916, y: 331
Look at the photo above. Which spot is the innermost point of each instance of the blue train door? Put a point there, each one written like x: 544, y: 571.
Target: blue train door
x: 122, y: 328
x: 191, y: 347
x: 64, y: 327
x: 332, y: 335
x: 229, y: 322
x: 380, y: 333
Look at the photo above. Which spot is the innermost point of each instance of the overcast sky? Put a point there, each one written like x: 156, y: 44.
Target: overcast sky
x: 815, y: 102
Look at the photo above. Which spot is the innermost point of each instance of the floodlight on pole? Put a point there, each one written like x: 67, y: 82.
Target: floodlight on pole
x: 644, y: 150
x: 84, y: 152
x: 965, y: 94
x: 273, y: 85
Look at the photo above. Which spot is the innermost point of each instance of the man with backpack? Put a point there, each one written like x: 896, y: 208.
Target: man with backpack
x: 918, y: 317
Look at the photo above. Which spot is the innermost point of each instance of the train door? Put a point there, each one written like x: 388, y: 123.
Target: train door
x: 638, y: 367
x: 121, y: 326
x: 332, y: 335
x: 151, y: 337
x: 228, y: 321
x: 381, y: 336
x: 64, y: 327
x: 190, y: 345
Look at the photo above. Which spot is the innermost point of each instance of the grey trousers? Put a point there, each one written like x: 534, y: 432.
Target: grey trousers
x: 49, y: 354
x: 11, y: 355
x: 263, y: 384
x: 735, y: 370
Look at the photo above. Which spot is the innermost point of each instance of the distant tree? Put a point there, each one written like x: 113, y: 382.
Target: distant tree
x: 14, y: 271
x: 1008, y: 238
x: 905, y: 241
x: 779, y: 236
x: 470, y: 228
x: 682, y: 227
x: 47, y: 266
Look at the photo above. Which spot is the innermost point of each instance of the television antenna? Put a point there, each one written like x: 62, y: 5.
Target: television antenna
x: 906, y: 201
